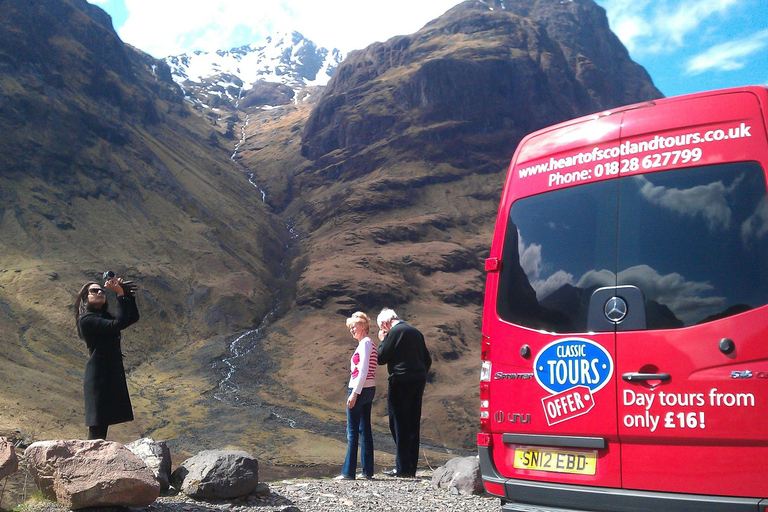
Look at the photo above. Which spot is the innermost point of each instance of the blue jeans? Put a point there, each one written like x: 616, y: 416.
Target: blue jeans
x: 359, y: 426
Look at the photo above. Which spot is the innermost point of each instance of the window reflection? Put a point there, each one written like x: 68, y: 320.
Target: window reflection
x: 692, y: 240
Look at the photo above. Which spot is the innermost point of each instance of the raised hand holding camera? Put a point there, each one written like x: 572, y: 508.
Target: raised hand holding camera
x: 117, y: 285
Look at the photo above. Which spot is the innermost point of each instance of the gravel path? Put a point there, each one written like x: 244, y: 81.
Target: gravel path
x: 325, y: 495
x: 320, y: 495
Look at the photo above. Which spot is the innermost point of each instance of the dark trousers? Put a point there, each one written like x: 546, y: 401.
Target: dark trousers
x: 404, y: 405
x: 97, y: 432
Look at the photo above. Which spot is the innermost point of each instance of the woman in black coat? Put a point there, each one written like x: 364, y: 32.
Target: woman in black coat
x: 106, y: 393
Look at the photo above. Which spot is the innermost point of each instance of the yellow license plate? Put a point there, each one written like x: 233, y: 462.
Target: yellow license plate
x: 557, y: 461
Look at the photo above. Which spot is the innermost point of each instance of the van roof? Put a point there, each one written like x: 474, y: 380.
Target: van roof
x: 573, y: 133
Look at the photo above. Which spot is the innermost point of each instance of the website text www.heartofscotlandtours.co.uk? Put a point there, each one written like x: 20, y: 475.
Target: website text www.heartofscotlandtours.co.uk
x: 654, y: 158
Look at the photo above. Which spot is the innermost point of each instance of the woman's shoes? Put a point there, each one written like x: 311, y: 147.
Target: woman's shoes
x: 363, y: 477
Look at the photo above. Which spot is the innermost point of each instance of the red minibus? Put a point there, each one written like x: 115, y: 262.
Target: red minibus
x: 625, y: 325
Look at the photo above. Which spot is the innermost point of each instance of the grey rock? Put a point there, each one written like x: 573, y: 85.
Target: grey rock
x: 217, y: 474
x: 156, y: 456
x: 461, y: 474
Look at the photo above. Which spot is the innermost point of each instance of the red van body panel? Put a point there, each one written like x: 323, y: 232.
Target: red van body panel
x: 668, y: 411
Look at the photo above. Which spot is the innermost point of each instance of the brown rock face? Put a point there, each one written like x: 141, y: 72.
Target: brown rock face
x: 484, y: 68
x: 267, y: 93
x: 80, y: 474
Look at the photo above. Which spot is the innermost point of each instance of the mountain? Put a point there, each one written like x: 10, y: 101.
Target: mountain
x: 104, y: 166
x: 392, y: 178
x: 255, y: 231
x: 227, y: 77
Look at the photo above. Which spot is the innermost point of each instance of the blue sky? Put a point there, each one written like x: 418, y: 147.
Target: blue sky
x: 685, y: 45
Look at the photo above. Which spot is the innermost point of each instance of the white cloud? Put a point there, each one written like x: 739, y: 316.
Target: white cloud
x: 629, y: 20
x: 686, y: 17
x: 530, y: 258
x: 531, y: 262
x: 552, y: 284
x: 728, y: 56
x: 173, y: 26
x: 170, y: 27
x: 756, y: 226
x: 708, y: 201
x: 646, y: 26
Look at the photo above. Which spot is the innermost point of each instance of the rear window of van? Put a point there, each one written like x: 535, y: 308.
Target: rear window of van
x: 693, y: 240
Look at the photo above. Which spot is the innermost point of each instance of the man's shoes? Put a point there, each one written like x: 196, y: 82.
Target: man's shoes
x: 365, y: 477
x: 342, y: 477
x: 397, y: 474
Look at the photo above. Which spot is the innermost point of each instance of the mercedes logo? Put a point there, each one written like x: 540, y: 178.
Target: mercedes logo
x: 615, y: 309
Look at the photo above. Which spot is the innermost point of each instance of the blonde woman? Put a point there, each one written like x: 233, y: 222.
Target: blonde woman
x: 362, y: 388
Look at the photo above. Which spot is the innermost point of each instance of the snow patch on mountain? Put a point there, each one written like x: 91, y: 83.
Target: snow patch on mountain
x: 226, y: 76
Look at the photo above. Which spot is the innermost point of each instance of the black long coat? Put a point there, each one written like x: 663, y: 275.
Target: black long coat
x: 106, y: 393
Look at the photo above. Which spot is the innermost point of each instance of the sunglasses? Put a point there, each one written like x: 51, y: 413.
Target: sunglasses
x: 95, y: 291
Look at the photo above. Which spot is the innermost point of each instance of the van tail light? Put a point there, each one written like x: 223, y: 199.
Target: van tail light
x: 484, y: 439
x: 485, y: 406
x: 485, y: 348
x: 485, y: 385
x: 485, y: 372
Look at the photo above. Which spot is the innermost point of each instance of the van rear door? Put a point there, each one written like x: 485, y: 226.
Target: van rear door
x: 553, y: 394
x: 693, y: 243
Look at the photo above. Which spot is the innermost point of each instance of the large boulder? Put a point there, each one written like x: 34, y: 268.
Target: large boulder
x: 79, y: 474
x: 157, y: 456
x: 461, y: 473
x: 217, y: 474
x: 9, y: 462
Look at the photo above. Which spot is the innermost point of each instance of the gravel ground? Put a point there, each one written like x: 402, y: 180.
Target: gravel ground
x: 381, y: 494
x: 323, y: 495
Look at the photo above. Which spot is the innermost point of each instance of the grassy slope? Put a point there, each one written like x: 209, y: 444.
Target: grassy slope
x: 104, y: 167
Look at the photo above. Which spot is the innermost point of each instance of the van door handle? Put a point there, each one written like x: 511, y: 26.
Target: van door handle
x: 633, y: 376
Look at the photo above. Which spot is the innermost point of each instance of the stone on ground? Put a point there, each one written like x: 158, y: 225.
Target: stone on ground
x: 156, y: 456
x: 217, y: 474
x: 462, y: 474
x: 79, y: 474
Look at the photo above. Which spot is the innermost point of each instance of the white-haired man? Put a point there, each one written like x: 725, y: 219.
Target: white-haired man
x: 405, y: 353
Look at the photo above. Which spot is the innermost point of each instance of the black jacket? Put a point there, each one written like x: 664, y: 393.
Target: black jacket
x: 405, y: 353
x: 106, y: 393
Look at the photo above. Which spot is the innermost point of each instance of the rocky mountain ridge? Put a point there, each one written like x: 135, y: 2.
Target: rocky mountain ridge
x: 394, y: 181
x: 240, y: 77
x: 380, y: 190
